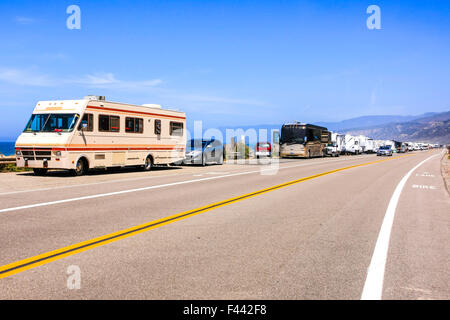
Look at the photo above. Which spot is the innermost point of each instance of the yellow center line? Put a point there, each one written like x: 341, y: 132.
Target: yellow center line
x: 44, y: 258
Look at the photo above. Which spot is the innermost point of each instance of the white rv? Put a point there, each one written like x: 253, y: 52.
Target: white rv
x: 410, y: 146
x: 336, y: 144
x: 352, y: 145
x: 93, y: 133
x: 340, y: 142
x: 370, y: 145
x: 390, y: 143
x: 362, y: 143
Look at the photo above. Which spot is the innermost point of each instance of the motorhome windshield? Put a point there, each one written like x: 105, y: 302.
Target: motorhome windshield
x: 292, y: 134
x: 52, y: 122
x: 197, y: 144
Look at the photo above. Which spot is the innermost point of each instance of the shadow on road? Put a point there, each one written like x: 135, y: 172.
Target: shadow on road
x: 96, y: 172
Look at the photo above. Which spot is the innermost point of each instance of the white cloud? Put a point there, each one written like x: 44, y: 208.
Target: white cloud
x: 201, y: 102
x: 24, y: 20
x: 25, y: 78
x: 32, y: 78
x: 54, y: 56
x: 109, y: 81
x: 208, y: 98
x: 98, y: 79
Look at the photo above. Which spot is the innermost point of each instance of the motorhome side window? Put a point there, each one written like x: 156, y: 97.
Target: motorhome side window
x: 134, y: 125
x: 89, y: 118
x: 157, y: 126
x: 108, y: 123
x: 176, y: 128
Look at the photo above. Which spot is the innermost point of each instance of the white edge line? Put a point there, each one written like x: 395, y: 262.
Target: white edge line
x: 41, y: 204
x: 373, y: 287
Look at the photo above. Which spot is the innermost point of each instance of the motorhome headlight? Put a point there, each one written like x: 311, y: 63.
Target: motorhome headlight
x: 18, y: 153
x: 58, y: 153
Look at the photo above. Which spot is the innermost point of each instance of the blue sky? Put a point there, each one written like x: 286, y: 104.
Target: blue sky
x: 228, y: 62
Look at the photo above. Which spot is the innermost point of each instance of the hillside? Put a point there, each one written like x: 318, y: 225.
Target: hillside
x: 432, y: 129
x: 370, y: 121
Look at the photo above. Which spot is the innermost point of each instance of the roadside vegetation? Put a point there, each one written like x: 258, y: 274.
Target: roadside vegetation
x: 11, y: 167
x: 8, y: 164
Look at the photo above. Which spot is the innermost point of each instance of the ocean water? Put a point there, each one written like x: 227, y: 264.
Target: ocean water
x: 7, y: 148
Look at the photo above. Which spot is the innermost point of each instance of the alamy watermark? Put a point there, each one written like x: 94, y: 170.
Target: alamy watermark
x: 239, y: 146
x: 374, y: 20
x: 74, y: 20
x: 74, y: 279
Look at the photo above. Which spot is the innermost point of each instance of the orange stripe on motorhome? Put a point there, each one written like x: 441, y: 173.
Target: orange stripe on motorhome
x: 120, y: 145
x: 107, y: 148
x: 97, y: 145
x: 115, y: 149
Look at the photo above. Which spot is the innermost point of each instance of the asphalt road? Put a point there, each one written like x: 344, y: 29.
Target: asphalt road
x: 237, y: 237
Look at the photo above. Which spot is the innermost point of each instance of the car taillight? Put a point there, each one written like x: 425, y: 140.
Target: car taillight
x: 263, y: 148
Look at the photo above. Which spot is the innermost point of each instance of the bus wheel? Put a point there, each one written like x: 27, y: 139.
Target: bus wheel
x: 39, y: 172
x: 81, y: 167
x: 148, y: 164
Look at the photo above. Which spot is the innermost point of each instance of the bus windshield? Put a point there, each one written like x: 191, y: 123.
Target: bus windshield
x: 52, y: 122
x: 292, y: 134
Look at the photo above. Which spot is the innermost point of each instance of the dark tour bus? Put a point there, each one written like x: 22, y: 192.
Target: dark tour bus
x: 303, y: 140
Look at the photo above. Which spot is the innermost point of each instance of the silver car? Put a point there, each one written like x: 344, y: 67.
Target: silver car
x: 384, y: 151
x: 204, y: 152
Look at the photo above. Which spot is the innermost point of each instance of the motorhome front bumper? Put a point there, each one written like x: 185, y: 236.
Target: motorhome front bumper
x: 42, y: 158
x: 50, y: 163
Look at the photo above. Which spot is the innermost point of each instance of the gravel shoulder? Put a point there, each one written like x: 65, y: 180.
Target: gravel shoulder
x: 445, y: 169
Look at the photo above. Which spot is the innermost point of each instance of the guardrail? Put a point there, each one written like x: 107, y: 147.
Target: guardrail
x: 7, y: 160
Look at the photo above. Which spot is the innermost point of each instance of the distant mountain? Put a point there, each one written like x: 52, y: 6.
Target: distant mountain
x: 428, y: 127
x: 434, y: 128
x: 369, y: 121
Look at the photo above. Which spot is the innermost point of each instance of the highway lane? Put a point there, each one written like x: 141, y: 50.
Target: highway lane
x: 72, y: 187
x: 287, y: 243
x: 77, y: 221
x: 58, y: 179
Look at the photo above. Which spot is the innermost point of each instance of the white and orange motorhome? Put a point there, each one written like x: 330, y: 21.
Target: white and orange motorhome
x: 93, y: 133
